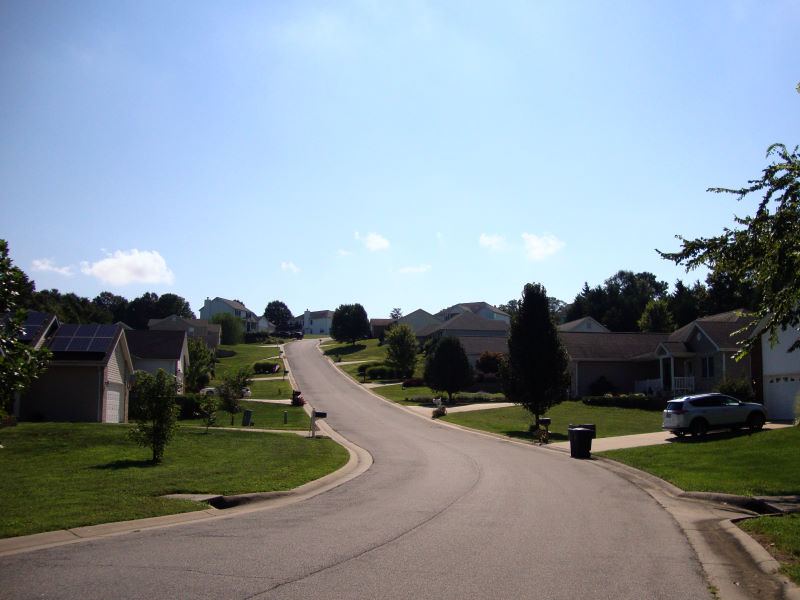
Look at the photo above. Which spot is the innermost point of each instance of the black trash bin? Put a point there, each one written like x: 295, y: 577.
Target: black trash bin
x: 580, y: 442
x: 247, y: 417
x: 590, y: 426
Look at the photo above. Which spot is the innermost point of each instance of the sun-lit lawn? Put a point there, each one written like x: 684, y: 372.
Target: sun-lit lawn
x: 515, y: 421
x: 780, y: 534
x: 396, y: 393
x: 361, y: 350
x: 265, y: 416
x: 246, y: 355
x: 63, y: 475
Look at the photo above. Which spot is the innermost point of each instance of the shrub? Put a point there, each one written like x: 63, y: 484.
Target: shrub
x: 257, y: 337
x: 188, y: 405
x: 639, y: 401
x: 738, y: 388
x: 489, y: 362
x: 601, y: 386
x: 381, y: 372
x: 225, y: 353
x: 414, y: 382
x: 297, y: 398
x: 439, y: 411
x: 265, y: 366
x: 362, y: 368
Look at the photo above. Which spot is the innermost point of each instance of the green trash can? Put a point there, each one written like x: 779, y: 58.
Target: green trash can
x: 580, y: 442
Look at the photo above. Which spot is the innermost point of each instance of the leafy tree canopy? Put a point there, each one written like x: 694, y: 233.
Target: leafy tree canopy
x: 657, y: 317
x: 396, y: 313
x: 447, y: 367
x: 201, y: 365
x: 231, y: 326
x: 764, y: 252
x: 20, y: 364
x: 153, y: 402
x: 278, y: 314
x: 401, y: 353
x: 350, y: 323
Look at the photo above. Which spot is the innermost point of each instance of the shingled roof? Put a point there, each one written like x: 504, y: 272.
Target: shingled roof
x: 611, y: 346
x: 156, y: 344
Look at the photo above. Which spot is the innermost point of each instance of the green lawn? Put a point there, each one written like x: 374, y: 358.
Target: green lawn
x: 396, y: 393
x: 62, y: 475
x: 760, y: 464
x: 515, y: 421
x: 363, y: 350
x: 781, y: 536
x: 246, y: 355
x: 265, y: 416
x: 274, y: 388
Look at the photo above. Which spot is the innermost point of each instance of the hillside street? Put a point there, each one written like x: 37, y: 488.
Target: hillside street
x: 440, y: 513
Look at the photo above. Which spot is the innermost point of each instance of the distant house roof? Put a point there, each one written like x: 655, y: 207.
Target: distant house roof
x: 321, y: 314
x: 473, y: 307
x: 611, y: 346
x: 36, y: 327
x: 585, y: 324
x: 381, y: 322
x: 156, y: 344
x: 466, y: 321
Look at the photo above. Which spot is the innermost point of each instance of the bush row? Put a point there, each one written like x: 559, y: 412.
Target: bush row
x: 458, y: 398
x: 627, y: 401
x: 257, y: 337
x: 265, y: 366
x: 381, y: 372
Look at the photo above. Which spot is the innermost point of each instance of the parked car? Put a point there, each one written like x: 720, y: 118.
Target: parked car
x: 209, y: 391
x: 246, y: 392
x: 699, y: 413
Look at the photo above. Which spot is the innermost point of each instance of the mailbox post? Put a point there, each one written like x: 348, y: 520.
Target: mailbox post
x: 316, y: 414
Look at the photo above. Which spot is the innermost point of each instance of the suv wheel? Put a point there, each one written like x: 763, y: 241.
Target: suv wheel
x: 755, y: 421
x: 699, y: 427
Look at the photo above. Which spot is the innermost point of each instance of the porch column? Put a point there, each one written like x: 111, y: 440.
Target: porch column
x: 672, y: 372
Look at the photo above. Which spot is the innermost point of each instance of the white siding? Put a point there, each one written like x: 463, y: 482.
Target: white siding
x: 115, y: 393
x: 116, y: 366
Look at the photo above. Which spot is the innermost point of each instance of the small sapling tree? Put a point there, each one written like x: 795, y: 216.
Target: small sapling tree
x: 157, y: 419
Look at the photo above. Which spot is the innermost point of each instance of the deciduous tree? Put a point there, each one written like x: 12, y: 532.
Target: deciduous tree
x: 201, y: 365
x: 534, y: 374
x: 157, y: 412
x: 447, y: 367
x: 349, y: 323
x: 765, y: 250
x: 657, y: 317
x: 278, y: 314
x: 232, y: 329
x: 20, y: 364
x: 401, y: 353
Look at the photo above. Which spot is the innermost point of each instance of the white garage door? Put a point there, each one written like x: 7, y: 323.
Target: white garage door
x: 113, y: 403
x: 782, y: 397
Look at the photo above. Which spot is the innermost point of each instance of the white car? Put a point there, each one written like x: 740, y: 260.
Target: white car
x: 246, y: 392
x: 697, y: 414
x: 209, y: 391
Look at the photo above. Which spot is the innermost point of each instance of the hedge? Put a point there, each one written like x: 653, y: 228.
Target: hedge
x: 639, y: 401
x: 362, y: 368
x: 381, y: 372
x: 265, y: 366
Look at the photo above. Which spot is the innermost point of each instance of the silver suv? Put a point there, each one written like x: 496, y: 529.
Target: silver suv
x: 697, y: 414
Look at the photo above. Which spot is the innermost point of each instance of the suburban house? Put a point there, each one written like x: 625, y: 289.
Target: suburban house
x: 220, y: 305
x: 418, y: 319
x: 87, y: 379
x: 317, y: 322
x: 210, y: 333
x: 477, y: 334
x: 379, y: 327
x: 692, y: 359
x: 481, y: 309
x: 154, y: 350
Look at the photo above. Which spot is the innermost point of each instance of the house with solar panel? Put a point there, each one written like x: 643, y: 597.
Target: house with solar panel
x: 86, y: 380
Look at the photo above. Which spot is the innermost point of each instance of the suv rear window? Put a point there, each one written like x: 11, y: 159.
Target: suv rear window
x: 675, y: 406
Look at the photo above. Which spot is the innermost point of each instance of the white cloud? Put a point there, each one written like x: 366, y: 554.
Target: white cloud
x: 45, y: 264
x: 123, y: 267
x: 373, y: 241
x: 493, y: 242
x: 539, y: 248
x: 289, y: 266
x: 419, y: 269
x: 342, y: 252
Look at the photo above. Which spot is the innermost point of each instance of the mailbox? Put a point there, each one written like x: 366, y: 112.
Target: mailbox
x: 319, y: 414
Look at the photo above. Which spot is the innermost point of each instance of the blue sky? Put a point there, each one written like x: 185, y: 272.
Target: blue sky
x: 412, y: 154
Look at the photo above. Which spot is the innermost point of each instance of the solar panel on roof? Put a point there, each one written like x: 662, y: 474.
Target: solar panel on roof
x: 106, y: 331
x: 68, y: 330
x: 59, y: 344
x: 86, y: 330
x: 79, y: 344
x: 100, y: 344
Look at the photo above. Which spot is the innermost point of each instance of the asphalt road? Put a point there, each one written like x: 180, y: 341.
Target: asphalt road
x: 441, y: 513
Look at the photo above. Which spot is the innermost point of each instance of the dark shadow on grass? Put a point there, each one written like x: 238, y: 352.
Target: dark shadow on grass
x: 125, y: 464
x: 712, y: 436
x: 345, y: 351
x: 520, y: 435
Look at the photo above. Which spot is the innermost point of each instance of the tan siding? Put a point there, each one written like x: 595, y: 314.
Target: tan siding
x: 116, y: 366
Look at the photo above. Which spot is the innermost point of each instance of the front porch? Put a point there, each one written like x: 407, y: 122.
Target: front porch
x: 669, y: 382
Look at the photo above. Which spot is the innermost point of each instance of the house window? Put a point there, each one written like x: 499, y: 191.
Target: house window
x: 707, y: 366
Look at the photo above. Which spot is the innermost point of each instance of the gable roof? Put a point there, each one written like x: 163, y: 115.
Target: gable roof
x: 320, y: 314
x: 88, y: 344
x: 475, y: 344
x: 472, y: 307
x: 466, y: 321
x: 718, y: 328
x: 585, y: 324
x: 37, y: 326
x: 611, y: 346
x: 156, y: 344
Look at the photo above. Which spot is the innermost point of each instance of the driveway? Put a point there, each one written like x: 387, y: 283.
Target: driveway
x: 441, y: 513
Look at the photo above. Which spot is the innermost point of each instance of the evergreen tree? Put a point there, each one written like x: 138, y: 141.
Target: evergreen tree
x: 447, y: 367
x: 535, y: 372
x: 401, y: 354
